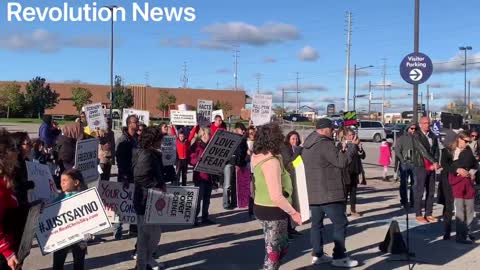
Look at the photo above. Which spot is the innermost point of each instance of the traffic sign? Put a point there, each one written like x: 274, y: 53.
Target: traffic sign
x: 416, y: 68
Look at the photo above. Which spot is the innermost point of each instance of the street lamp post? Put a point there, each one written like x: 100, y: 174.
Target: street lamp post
x: 355, y: 82
x: 111, y: 8
x: 465, y: 49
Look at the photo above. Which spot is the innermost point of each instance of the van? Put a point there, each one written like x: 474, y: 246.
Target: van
x: 371, y: 131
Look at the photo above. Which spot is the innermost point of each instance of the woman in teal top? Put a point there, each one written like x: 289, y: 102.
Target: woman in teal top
x: 273, y: 193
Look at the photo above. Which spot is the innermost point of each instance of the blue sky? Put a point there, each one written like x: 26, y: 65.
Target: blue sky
x: 274, y: 38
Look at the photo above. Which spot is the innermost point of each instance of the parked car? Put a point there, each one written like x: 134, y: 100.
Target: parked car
x: 390, y: 129
x: 371, y: 131
x: 296, y: 118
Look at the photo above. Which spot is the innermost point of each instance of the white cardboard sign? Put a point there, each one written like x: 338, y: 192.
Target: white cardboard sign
x: 143, y: 116
x: 178, y: 206
x: 215, y: 113
x: 204, y: 112
x: 86, y: 159
x: 118, y: 202
x: 261, y: 109
x: 300, y: 196
x: 64, y: 223
x: 95, y: 116
x: 45, y: 188
x: 183, y: 118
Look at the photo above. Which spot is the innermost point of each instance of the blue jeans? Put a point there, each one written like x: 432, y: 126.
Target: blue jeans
x: 406, y: 171
x: 336, y: 213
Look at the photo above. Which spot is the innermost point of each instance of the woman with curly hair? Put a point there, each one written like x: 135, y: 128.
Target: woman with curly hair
x: 273, y: 194
x: 147, y: 174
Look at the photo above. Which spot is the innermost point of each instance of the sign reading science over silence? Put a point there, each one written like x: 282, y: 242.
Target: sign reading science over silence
x: 95, y: 116
x: 64, y: 223
x: 177, y: 206
x: 219, y: 150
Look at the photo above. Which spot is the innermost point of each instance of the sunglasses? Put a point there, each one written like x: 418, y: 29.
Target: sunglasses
x: 474, y: 136
x: 467, y: 141
x: 412, y: 128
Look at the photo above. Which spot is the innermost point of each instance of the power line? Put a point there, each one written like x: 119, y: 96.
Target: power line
x: 184, y: 79
x: 347, y: 75
x: 235, y: 65
x: 258, y: 77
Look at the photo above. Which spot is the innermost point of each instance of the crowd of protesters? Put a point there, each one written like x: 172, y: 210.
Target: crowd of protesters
x: 332, y: 170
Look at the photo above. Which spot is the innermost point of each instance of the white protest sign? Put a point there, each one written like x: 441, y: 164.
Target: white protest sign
x: 215, y: 113
x: 95, y: 116
x: 64, y: 223
x: 41, y: 175
x: 118, y: 201
x: 261, y: 109
x: 169, y: 150
x: 143, y: 116
x: 300, y: 194
x: 204, y: 112
x: 86, y: 159
x: 219, y: 150
x: 178, y: 206
x: 183, y: 118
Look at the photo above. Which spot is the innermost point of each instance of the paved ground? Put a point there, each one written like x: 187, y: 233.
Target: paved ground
x: 236, y: 242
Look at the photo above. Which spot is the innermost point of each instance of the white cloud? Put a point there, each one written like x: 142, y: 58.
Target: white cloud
x: 456, y: 63
x: 303, y: 87
x: 214, y: 45
x: 181, y: 42
x: 47, y: 42
x: 308, y: 53
x: 389, y: 85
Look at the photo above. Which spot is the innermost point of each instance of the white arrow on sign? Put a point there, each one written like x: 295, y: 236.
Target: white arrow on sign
x: 416, y: 74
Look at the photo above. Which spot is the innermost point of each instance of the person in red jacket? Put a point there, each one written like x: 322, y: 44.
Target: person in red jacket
x: 8, y: 202
x: 217, y: 124
x: 183, y: 145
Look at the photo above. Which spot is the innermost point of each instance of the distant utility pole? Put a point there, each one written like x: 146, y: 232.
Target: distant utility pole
x: 384, y: 88
x: 347, y: 77
x: 147, y: 78
x: 258, y: 76
x: 184, y: 78
x: 235, y: 66
x: 298, y: 104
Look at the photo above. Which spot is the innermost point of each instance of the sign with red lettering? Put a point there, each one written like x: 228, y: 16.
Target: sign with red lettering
x: 177, y: 206
x: 41, y: 175
x: 66, y: 222
x: 219, y: 150
x: 118, y: 201
x: 243, y: 186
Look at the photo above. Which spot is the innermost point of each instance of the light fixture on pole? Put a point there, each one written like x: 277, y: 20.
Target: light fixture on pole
x: 465, y: 49
x: 111, y: 8
x: 355, y: 82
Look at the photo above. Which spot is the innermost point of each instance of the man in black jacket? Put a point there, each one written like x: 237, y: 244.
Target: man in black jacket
x: 324, y: 172
x: 404, y: 147
x: 426, y: 154
x: 354, y: 168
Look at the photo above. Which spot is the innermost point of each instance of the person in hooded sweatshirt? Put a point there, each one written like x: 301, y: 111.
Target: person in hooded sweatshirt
x: 324, y: 171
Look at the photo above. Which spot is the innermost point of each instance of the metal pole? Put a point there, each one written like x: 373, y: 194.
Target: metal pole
x: 465, y: 87
x: 111, y: 64
x: 369, y: 97
x: 283, y: 101
x: 416, y: 44
x: 428, y: 100
x: 421, y: 102
x: 347, y: 77
x: 297, y: 95
x: 469, y: 97
x: 354, y: 85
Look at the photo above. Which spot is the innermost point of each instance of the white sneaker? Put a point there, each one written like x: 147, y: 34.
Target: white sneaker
x: 319, y: 260
x: 345, y: 262
x: 155, y: 265
x: 134, y: 256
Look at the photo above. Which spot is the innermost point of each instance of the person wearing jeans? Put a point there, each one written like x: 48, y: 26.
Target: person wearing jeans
x: 404, y: 147
x: 325, y: 167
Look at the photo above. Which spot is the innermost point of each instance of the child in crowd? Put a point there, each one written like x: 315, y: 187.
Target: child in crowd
x: 183, y: 146
x: 385, y: 157
x: 71, y: 182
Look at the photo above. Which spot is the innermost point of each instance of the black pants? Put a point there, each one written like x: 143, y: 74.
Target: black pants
x: 182, y: 168
x: 424, y: 181
x: 106, y: 170
x: 204, y: 195
x: 78, y: 253
x: 352, y: 191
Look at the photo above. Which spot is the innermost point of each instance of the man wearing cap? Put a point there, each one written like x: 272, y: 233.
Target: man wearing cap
x: 324, y: 167
x: 404, y: 153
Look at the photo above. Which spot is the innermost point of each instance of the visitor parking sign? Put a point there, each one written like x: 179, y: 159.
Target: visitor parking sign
x: 416, y: 68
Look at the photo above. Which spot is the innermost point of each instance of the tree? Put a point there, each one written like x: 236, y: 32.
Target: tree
x: 11, y: 98
x: 40, y: 96
x: 80, y: 97
x: 165, y: 100
x: 279, y: 111
x: 122, y: 96
x: 225, y: 106
x: 455, y: 106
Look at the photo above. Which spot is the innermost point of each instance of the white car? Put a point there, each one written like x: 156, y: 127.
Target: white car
x: 371, y: 130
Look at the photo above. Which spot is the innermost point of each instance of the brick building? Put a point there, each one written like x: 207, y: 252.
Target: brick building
x: 145, y: 97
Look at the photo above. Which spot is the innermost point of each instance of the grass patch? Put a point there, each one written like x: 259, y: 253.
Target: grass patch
x: 29, y: 121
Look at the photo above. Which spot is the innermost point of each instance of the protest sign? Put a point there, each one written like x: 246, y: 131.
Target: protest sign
x: 143, y: 116
x: 261, y: 109
x: 204, y: 112
x: 41, y: 175
x: 86, y: 159
x: 169, y: 150
x: 219, y: 150
x: 29, y: 231
x: 350, y: 118
x: 215, y: 113
x: 177, y: 206
x: 183, y: 118
x: 118, y: 201
x: 95, y: 116
x: 64, y: 223
x: 300, y: 194
x: 243, y: 186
